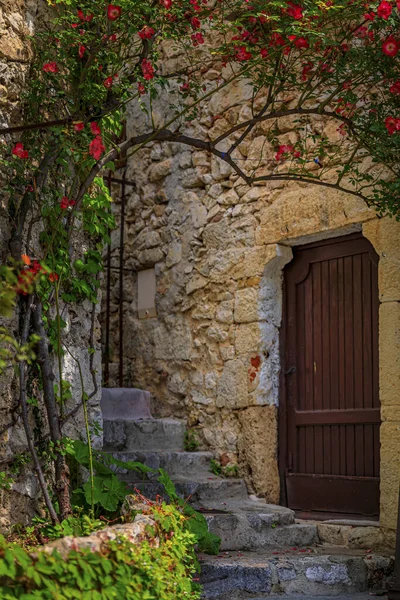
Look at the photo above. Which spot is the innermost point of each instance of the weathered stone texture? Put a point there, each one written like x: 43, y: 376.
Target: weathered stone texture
x: 212, y: 354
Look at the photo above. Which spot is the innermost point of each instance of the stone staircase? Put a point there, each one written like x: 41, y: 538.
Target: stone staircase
x: 264, y: 550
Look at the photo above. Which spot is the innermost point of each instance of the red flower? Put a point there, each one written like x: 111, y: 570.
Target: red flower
x: 146, y: 33
x: 20, y: 151
x: 390, y: 46
x: 395, y: 88
x: 108, y: 82
x: 141, y: 88
x: 66, y: 203
x: 384, y: 10
x: 74, y: 25
x: 295, y: 11
x: 392, y: 125
x: 369, y: 16
x: 264, y: 52
x: 113, y: 12
x: 50, y: 67
x: 79, y: 126
x: 197, y: 38
x: 53, y: 277
x: 94, y: 128
x: 242, y: 54
x: 83, y: 17
x: 166, y: 4
x: 277, y: 39
x: 283, y: 151
x: 307, y: 67
x: 96, y: 147
x: 81, y: 51
x: 185, y: 87
x: 195, y: 23
x: 147, y: 69
x: 302, y: 43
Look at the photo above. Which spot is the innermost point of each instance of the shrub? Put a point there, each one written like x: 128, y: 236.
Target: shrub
x: 123, y: 571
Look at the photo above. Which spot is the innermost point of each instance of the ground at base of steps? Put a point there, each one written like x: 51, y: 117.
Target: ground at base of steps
x: 362, y: 596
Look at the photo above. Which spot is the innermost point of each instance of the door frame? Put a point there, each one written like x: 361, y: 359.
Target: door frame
x: 283, y: 404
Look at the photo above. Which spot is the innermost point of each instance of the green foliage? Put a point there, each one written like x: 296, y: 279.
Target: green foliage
x: 215, y: 467
x: 5, y: 481
x: 190, y: 443
x: 110, y: 492
x: 121, y: 571
x: 77, y: 525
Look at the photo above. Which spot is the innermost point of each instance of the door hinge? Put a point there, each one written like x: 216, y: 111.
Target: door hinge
x: 290, y: 371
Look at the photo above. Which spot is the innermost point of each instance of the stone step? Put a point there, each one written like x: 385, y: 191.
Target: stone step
x: 199, y: 491
x: 310, y: 573
x: 177, y: 464
x: 259, y: 531
x: 143, y: 435
x: 125, y: 403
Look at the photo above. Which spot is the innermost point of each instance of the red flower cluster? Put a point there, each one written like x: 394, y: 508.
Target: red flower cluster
x: 241, y: 53
x: 395, y: 88
x: 96, y: 146
x: 384, y: 10
x: 166, y: 3
x: 147, y: 69
x: 20, y: 151
x: 294, y: 10
x: 94, y: 128
x: 66, y: 203
x: 285, y: 151
x: 301, y: 43
x: 307, y: 67
x: 83, y: 17
x: 390, y: 46
x: 141, y: 88
x: 146, y: 32
x: 50, y: 67
x: 27, y: 277
x: 113, y: 12
x: 392, y: 125
x: 197, y: 38
x: 81, y: 51
x: 195, y: 23
x: 108, y: 82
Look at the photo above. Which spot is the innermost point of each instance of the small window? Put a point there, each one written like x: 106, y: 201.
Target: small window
x: 147, y: 294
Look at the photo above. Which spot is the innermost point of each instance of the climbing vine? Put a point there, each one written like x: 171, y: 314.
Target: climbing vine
x: 323, y: 65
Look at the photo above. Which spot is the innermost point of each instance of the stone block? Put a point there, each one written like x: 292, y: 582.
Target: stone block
x: 258, y: 450
x: 384, y: 234
x: 160, y: 170
x: 247, y: 338
x: 224, y: 312
x: 246, y: 305
x: 389, y: 353
x: 316, y: 210
x: 173, y: 342
x: 390, y: 473
x: 174, y: 255
x: 232, y: 391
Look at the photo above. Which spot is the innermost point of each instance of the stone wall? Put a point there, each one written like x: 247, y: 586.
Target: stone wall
x: 211, y: 356
x: 18, y: 19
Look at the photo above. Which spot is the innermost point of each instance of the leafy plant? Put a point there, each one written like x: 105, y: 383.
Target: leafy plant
x: 121, y: 571
x: 5, y: 481
x: 190, y: 442
x: 215, y: 467
x: 110, y: 492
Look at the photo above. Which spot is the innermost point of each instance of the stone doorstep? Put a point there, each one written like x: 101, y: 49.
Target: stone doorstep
x: 143, y: 435
x: 177, y: 464
x: 363, y: 535
x: 306, y: 572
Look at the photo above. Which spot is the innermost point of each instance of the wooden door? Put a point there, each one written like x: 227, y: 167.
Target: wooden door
x: 330, y: 413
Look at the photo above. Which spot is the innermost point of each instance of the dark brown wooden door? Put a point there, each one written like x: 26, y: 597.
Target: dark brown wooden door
x: 330, y: 413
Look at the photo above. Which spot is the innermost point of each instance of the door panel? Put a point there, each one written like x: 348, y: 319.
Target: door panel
x: 331, y: 411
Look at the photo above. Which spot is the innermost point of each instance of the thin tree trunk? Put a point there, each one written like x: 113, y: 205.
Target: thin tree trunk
x: 25, y: 417
x: 44, y: 360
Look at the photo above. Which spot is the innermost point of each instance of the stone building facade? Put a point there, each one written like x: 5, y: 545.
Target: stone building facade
x: 211, y: 354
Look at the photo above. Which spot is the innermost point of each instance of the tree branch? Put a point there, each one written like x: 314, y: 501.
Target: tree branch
x: 25, y: 416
